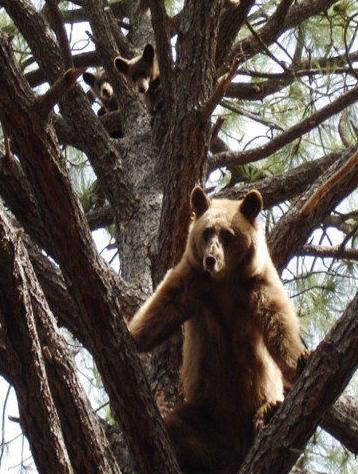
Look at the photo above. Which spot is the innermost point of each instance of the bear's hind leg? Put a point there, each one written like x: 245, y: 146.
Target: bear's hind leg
x: 195, y: 439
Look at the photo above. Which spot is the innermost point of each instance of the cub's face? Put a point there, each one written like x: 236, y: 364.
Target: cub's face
x: 99, y: 85
x: 138, y: 71
x: 224, y: 234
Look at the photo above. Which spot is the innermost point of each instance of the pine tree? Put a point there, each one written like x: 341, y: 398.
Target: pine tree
x: 256, y: 94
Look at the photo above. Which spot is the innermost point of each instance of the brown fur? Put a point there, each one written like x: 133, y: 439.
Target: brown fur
x: 142, y: 73
x: 241, y: 342
x: 102, y: 91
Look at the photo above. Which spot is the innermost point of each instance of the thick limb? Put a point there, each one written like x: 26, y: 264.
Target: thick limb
x: 170, y: 305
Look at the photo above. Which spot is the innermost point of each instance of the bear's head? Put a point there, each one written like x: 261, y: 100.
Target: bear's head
x: 139, y: 71
x: 225, y: 238
x: 99, y: 85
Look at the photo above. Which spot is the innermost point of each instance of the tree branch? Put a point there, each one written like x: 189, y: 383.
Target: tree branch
x: 278, y: 24
x: 82, y: 60
x: 258, y: 90
x: 328, y: 371
x: 23, y: 300
x: 218, y: 92
x: 234, y: 14
x: 293, y: 229
x: 296, y: 131
x: 328, y: 185
x: 282, y: 187
x: 341, y: 421
x: 58, y: 26
x: 24, y: 349
x: 160, y: 23
x: 46, y: 102
x: 279, y: 81
x: 119, y: 9
x: 329, y: 252
x: 90, y: 283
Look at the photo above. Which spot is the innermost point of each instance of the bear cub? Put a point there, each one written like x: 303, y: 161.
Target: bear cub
x: 102, y: 91
x: 241, y: 333
x: 142, y: 73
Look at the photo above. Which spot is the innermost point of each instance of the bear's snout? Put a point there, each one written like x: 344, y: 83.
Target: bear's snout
x: 214, y: 258
x: 106, y: 91
x: 209, y: 263
x: 142, y: 85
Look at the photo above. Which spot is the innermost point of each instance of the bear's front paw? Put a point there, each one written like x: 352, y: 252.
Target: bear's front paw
x: 302, y: 362
x: 264, y: 414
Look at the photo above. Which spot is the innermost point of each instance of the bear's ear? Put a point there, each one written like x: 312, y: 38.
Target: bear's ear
x: 148, y: 54
x: 251, y: 205
x: 199, y: 201
x: 89, y: 78
x: 121, y: 64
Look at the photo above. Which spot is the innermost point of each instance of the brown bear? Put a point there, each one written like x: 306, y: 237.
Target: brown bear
x: 142, y: 73
x: 241, y: 333
x: 102, y: 91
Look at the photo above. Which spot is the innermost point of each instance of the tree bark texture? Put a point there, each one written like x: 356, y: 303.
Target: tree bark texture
x: 25, y: 312
x: 40, y: 156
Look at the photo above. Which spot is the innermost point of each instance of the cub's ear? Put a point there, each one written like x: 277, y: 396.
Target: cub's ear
x: 89, y: 78
x: 199, y: 201
x: 148, y: 53
x: 121, y: 64
x: 251, y: 205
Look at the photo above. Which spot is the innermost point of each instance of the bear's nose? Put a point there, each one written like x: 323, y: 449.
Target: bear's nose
x: 141, y: 89
x: 210, y: 262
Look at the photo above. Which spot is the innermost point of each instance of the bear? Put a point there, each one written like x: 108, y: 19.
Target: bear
x: 102, y: 90
x: 241, y: 334
x: 142, y: 73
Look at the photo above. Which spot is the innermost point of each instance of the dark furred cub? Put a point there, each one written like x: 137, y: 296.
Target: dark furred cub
x: 142, y: 73
x: 241, y: 343
x: 102, y: 90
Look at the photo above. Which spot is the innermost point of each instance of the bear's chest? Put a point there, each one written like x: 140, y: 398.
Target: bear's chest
x: 233, y: 306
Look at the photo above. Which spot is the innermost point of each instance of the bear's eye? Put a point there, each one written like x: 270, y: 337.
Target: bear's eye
x: 207, y: 234
x: 227, y: 236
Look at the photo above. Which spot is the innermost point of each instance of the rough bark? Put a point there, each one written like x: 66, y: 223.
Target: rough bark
x: 293, y: 229
x: 341, y: 422
x: 91, y: 284
x: 284, y: 186
x: 38, y: 412
x: 337, y: 251
x: 69, y: 411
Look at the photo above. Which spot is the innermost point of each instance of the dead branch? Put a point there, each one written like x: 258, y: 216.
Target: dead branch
x: 46, y: 102
x: 326, y: 187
